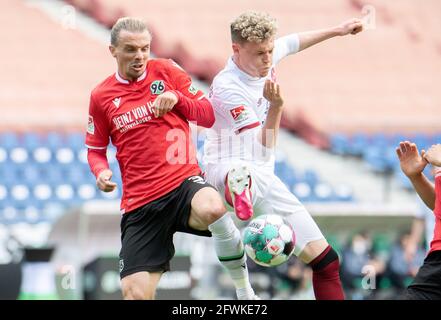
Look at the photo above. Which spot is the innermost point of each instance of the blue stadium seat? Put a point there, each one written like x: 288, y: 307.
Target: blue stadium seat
x: 9, y: 140
x: 380, y: 140
x: 376, y: 159
x: 65, y: 155
x: 9, y: 213
x: 19, y: 155
x: 339, y: 143
x: 53, y: 175
x: 344, y: 192
x: 75, y: 174
x: 422, y: 140
x: 42, y: 192
x: 31, y: 174
x: 54, y: 140
x: 42, y: 155
x: 323, y: 192
x: 303, y: 191
x: 397, y: 138
x: 310, y: 177
x: 286, y: 173
x: 31, y: 141
x: 9, y: 173
x: 75, y: 140
x: 357, y: 144
x: 3, y: 155
x: 65, y: 193
x: 4, y: 192
x: 87, y: 191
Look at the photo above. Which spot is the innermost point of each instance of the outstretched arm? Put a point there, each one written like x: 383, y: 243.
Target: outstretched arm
x: 310, y: 38
x: 413, y: 164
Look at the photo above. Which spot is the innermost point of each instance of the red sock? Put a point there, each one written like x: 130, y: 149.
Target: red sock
x: 326, y: 277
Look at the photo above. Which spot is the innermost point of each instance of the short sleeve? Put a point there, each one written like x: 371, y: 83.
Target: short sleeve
x: 97, y: 134
x: 285, y: 46
x: 236, y: 110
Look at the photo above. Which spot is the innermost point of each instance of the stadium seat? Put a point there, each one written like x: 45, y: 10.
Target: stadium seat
x: 339, y: 144
x: 310, y: 177
x: 357, y: 143
x: 3, y: 155
x: 42, y: 192
x: 87, y: 191
x: 54, y: 140
x: 19, y: 155
x: 65, y: 155
x: 75, y: 141
x: 375, y: 158
x: 9, y: 140
x: 323, y: 192
x: 42, y: 155
x: 31, y: 174
x: 344, y: 192
x: 31, y: 141
x: 303, y: 191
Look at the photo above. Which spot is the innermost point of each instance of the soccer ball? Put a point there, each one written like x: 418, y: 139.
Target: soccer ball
x: 269, y: 240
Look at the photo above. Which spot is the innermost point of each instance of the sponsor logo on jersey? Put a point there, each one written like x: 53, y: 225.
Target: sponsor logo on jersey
x: 157, y: 87
x: 238, y: 113
x: 192, y: 89
x: 134, y: 117
x: 90, y: 125
x: 116, y: 102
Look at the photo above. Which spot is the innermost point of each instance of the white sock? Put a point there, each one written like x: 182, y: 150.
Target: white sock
x: 230, y: 251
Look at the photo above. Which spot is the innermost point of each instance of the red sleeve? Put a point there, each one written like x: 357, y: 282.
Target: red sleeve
x: 183, y: 82
x: 199, y: 111
x: 97, y: 159
x: 97, y: 136
x: 437, y: 210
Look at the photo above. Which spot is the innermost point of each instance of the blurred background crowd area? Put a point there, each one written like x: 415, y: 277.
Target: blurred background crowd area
x: 349, y: 101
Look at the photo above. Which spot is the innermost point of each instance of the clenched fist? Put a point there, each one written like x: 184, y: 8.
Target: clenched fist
x: 164, y: 103
x: 103, y: 181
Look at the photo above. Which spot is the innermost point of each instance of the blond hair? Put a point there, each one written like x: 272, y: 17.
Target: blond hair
x: 253, y: 27
x: 128, y: 24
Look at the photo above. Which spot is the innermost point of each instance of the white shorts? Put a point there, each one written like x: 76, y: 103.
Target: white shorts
x: 271, y: 196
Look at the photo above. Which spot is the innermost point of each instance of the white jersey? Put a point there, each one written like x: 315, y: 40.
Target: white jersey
x: 238, y: 103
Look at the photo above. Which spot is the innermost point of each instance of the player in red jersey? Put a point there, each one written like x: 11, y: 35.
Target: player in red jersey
x: 145, y: 109
x: 427, y: 282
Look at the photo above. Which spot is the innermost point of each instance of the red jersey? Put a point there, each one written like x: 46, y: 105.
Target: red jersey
x: 155, y: 155
x: 435, y: 245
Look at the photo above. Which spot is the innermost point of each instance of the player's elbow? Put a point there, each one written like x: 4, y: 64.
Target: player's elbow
x: 209, y: 118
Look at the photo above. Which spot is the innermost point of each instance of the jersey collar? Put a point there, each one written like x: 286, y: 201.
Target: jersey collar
x: 231, y: 64
x: 120, y: 79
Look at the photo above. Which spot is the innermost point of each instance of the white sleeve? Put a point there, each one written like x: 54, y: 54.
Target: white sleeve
x: 285, y: 46
x: 235, y: 109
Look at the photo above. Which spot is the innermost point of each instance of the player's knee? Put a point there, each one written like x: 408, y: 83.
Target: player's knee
x: 214, y: 211
x: 134, y: 291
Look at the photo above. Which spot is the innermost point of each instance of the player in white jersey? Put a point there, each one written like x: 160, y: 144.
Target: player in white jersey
x: 238, y: 152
